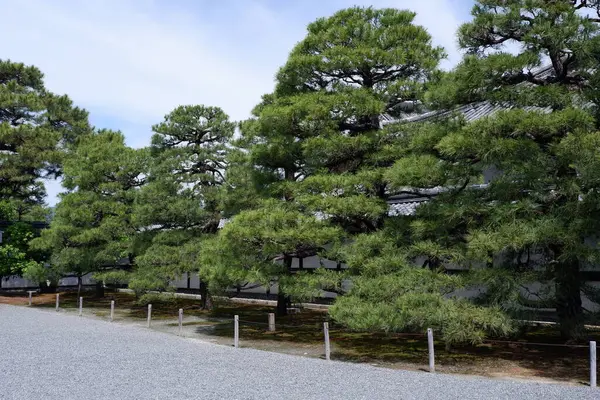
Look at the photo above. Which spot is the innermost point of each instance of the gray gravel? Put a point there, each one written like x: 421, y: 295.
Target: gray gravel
x: 49, y: 355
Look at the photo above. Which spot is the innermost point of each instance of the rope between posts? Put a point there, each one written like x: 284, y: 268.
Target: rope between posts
x: 191, y: 308
x: 394, y: 336
x: 400, y: 335
x: 279, y: 325
x: 267, y: 324
x: 536, y: 344
x: 252, y: 322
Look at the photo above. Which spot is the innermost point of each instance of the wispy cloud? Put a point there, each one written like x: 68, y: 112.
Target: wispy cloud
x: 129, y: 62
x: 133, y: 63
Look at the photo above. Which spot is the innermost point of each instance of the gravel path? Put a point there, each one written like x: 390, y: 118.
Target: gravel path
x: 49, y: 355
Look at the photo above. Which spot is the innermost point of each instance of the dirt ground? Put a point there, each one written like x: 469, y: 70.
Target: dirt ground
x: 531, y: 358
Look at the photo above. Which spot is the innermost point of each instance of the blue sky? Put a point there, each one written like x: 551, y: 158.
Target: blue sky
x: 129, y: 62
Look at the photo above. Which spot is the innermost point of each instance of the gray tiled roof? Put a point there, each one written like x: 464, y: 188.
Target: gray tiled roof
x: 404, y: 209
x: 474, y: 111
x: 471, y: 112
x: 406, y: 204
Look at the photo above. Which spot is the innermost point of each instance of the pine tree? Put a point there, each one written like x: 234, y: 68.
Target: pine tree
x: 36, y: 129
x: 182, y: 202
x: 15, y: 254
x: 317, y: 143
x: 565, y: 34
x: 352, y: 73
x: 534, y: 220
x: 257, y: 246
x: 92, y: 227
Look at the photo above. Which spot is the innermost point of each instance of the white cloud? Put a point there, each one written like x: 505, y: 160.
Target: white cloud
x: 132, y: 61
x: 119, y: 61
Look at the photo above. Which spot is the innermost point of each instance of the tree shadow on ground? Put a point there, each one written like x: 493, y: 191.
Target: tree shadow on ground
x: 305, y: 330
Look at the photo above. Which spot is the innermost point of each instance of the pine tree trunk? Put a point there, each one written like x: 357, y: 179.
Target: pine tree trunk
x: 99, y: 289
x: 568, y: 300
x: 282, y: 304
x: 206, y: 301
x: 283, y: 301
x: 208, y: 304
x: 45, y: 288
x: 79, y: 284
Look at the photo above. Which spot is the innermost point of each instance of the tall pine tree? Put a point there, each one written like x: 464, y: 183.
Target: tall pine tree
x: 92, y: 227
x: 537, y: 218
x: 317, y: 143
x: 37, y: 128
x: 181, y: 203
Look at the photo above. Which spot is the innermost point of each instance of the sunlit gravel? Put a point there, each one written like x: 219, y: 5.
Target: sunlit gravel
x: 50, y: 355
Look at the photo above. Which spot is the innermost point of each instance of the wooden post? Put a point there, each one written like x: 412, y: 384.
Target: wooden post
x: 30, y: 295
x: 327, y: 348
x: 271, y: 322
x: 80, y: 306
x: 593, y: 364
x: 57, y: 301
x: 431, y: 350
x: 112, y: 310
x: 181, y: 322
x: 236, y: 331
x: 149, y: 314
